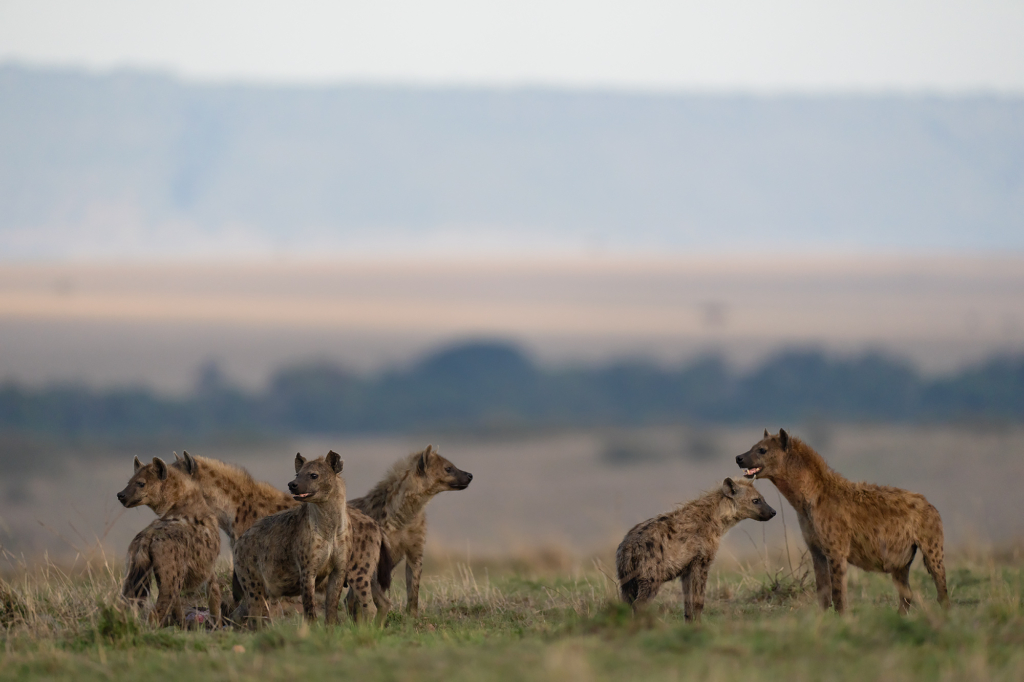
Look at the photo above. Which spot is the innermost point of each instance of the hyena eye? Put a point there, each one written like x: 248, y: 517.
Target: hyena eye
x: 314, y: 476
x: 757, y: 500
x: 447, y: 470
x: 762, y: 450
x: 140, y: 483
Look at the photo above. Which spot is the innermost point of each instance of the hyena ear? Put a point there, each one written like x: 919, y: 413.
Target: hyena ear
x: 299, y: 461
x: 784, y: 439
x: 335, y: 461
x: 421, y: 465
x: 161, y: 468
x: 766, y: 434
x: 729, y: 488
x: 190, y: 463
x: 138, y: 464
x: 176, y: 457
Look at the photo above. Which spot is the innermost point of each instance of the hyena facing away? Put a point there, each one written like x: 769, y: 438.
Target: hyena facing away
x: 239, y: 501
x: 397, y: 504
x: 683, y: 543
x: 179, y: 548
x: 292, y: 552
x: 873, y: 527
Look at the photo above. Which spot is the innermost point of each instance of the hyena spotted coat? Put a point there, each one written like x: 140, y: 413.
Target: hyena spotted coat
x: 292, y: 552
x: 683, y: 543
x: 397, y: 503
x: 179, y: 548
x: 873, y: 527
x: 239, y: 501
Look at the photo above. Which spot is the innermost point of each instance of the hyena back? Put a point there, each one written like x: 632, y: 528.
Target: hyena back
x: 683, y: 543
x: 180, y: 548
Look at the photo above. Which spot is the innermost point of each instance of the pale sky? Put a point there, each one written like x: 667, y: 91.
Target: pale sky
x: 944, y: 46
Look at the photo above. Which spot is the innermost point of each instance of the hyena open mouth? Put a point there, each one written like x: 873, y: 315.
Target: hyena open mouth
x: 301, y: 496
x: 751, y: 473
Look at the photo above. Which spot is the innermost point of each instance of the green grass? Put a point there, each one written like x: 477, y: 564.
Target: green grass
x: 506, y: 622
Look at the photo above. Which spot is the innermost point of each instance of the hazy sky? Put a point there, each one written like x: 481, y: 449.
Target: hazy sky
x: 785, y: 45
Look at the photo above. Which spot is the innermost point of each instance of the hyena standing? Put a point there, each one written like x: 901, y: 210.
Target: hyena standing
x: 239, y: 501
x: 292, y: 552
x: 179, y: 548
x: 873, y: 527
x: 397, y: 504
x: 683, y: 543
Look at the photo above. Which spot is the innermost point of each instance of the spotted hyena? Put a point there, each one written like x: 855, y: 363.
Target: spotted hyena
x: 683, y: 543
x: 292, y: 552
x: 179, y: 548
x: 873, y: 527
x: 397, y: 503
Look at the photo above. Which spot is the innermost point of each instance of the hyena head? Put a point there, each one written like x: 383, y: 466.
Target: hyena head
x: 439, y: 474
x: 767, y: 459
x: 154, y: 485
x: 749, y: 503
x: 318, y: 480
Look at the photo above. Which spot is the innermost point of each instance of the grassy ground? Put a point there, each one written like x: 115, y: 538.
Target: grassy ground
x: 521, y: 621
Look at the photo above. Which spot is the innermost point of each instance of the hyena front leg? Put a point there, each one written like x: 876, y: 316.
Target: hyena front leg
x: 684, y: 580
x: 308, y: 581
x: 413, y: 570
x: 822, y: 576
x: 334, y: 585
x: 837, y: 565
x: 698, y: 585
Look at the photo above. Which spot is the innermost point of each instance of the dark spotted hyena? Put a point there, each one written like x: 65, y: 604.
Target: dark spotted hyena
x: 873, y: 527
x: 179, y: 548
x: 292, y: 552
x: 397, y: 504
x: 683, y: 543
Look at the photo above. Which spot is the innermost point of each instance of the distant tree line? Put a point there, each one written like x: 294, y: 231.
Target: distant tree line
x: 495, y: 386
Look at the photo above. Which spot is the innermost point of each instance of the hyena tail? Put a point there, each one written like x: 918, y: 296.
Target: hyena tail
x: 236, y: 587
x: 629, y: 590
x: 385, y: 564
x: 138, y: 576
x: 626, y: 572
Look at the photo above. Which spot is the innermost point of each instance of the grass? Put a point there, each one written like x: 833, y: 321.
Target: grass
x: 518, y: 620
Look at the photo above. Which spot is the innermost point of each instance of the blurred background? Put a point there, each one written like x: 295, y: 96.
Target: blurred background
x: 591, y: 250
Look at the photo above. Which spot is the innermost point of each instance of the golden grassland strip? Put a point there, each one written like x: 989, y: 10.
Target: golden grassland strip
x: 523, y: 619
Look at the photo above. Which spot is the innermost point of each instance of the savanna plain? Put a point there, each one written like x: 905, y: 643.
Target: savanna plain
x: 533, y: 618
x: 504, y: 601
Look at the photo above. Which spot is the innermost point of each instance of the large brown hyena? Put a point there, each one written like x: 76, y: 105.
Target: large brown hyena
x: 683, y: 543
x: 239, y: 501
x: 179, y: 548
x: 397, y: 504
x: 873, y: 527
x: 292, y: 552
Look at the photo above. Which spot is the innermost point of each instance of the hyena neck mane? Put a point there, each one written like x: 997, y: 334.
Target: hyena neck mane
x: 399, y: 498
x: 227, y: 487
x: 185, y: 498
x: 712, y: 510
x: 327, y: 516
x: 806, y: 477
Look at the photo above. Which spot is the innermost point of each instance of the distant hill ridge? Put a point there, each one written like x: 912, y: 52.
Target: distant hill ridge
x: 493, y: 385
x: 131, y: 163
